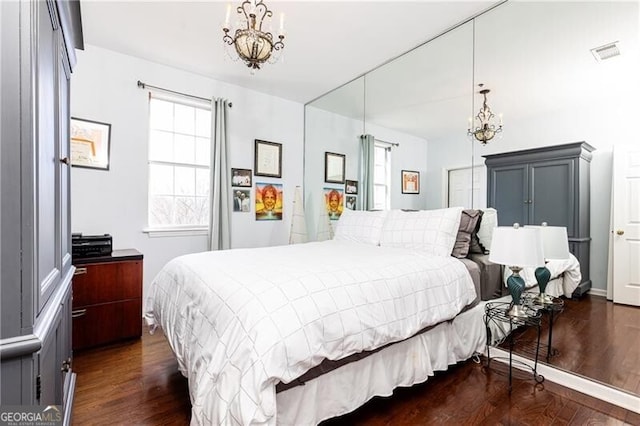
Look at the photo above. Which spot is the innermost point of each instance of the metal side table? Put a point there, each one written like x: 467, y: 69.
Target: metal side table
x: 549, y: 305
x: 497, y: 313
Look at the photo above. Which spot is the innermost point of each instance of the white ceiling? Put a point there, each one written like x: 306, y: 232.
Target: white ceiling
x: 327, y: 44
x: 531, y: 54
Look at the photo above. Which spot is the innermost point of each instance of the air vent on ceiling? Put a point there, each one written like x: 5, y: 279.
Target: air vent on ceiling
x: 607, y: 51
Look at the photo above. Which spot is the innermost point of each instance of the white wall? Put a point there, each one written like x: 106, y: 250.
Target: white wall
x: 103, y: 88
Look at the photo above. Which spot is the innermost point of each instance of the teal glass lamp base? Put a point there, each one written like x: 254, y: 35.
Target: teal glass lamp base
x: 515, y: 283
x: 543, y: 275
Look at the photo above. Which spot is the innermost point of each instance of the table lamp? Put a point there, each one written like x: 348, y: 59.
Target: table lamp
x: 516, y: 247
x: 555, y: 244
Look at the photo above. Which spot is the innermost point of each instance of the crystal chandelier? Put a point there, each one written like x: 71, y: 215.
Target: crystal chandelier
x: 485, y: 126
x: 252, y: 44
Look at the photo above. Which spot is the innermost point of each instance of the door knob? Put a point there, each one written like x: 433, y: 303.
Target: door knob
x: 65, y: 160
x: 620, y: 232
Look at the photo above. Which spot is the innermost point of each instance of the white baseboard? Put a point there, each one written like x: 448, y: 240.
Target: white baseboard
x: 578, y: 383
x: 598, y: 292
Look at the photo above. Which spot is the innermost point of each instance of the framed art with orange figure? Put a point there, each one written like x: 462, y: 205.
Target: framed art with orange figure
x: 268, y: 201
x: 334, y: 201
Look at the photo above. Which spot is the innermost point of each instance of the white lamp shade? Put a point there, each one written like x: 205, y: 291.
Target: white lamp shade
x: 517, y: 247
x: 555, y: 242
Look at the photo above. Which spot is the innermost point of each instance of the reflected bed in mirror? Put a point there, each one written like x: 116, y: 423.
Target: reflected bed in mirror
x: 536, y: 58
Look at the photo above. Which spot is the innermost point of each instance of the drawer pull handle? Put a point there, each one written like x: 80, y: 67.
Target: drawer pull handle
x: 80, y: 271
x: 78, y: 313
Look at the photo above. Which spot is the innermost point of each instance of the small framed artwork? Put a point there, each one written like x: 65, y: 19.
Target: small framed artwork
x: 268, y: 201
x: 268, y: 159
x: 351, y: 187
x: 89, y: 143
x: 334, y: 165
x: 350, y: 202
x: 333, y: 199
x: 410, y: 182
x: 242, y: 200
x: 241, y: 177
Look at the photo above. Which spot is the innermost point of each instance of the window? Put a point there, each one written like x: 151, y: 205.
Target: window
x: 382, y: 177
x: 179, y: 162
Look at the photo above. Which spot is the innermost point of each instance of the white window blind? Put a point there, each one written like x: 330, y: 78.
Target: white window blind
x: 179, y: 162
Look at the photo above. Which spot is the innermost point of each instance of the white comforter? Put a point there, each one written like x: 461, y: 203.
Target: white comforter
x: 240, y: 321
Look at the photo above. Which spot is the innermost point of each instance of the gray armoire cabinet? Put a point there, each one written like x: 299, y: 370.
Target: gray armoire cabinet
x: 38, y: 52
x: 549, y: 184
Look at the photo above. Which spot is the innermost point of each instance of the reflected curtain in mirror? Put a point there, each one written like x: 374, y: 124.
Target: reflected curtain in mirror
x: 367, y: 156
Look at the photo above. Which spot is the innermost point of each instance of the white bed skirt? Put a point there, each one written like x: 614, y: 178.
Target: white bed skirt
x: 403, y: 364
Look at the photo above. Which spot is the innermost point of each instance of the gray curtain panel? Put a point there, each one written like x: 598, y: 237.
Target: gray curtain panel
x: 366, y: 170
x: 219, y: 222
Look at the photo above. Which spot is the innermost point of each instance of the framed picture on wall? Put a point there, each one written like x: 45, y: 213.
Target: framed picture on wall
x: 268, y: 159
x: 334, y: 202
x: 410, y: 182
x: 89, y: 143
x: 334, y: 165
x: 241, y: 177
x: 269, y: 202
x: 350, y: 202
x: 242, y: 200
x: 351, y: 186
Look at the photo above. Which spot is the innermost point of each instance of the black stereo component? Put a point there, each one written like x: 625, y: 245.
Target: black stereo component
x: 90, y: 245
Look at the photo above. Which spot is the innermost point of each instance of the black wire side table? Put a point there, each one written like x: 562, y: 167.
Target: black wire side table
x: 498, y: 314
x: 547, y: 305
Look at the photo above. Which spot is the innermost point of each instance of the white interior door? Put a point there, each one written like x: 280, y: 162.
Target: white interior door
x: 467, y: 187
x: 626, y: 225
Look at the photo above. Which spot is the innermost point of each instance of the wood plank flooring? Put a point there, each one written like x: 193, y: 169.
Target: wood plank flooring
x: 596, y: 339
x: 138, y: 383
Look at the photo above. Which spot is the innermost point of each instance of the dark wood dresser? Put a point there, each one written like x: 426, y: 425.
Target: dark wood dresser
x: 107, y: 298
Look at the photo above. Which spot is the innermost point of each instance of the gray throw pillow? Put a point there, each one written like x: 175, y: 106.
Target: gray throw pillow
x: 469, y: 225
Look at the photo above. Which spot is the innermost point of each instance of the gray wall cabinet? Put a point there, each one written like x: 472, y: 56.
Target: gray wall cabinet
x: 38, y: 53
x: 549, y: 184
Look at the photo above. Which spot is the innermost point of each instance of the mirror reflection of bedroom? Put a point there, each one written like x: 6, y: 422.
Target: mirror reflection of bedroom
x: 442, y: 229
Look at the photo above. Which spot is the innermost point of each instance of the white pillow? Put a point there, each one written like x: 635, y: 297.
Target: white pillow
x: 488, y: 222
x: 360, y: 226
x: 430, y: 231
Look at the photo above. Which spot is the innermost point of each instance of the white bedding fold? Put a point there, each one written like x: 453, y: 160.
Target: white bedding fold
x: 239, y: 321
x: 565, y: 276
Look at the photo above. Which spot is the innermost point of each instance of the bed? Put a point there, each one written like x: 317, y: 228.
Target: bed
x: 386, y: 292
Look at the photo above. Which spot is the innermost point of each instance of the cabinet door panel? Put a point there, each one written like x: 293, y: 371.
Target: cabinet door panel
x: 64, y: 153
x: 47, y: 218
x: 508, y: 194
x: 552, y: 194
x: 106, y: 323
x: 49, y: 364
x: 106, y: 282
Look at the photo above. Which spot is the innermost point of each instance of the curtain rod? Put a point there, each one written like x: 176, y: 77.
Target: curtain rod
x: 390, y: 143
x: 145, y: 85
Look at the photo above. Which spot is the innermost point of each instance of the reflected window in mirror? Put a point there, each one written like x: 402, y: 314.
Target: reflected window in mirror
x: 382, y: 177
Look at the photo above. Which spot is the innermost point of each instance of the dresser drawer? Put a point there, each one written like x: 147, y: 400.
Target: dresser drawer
x: 106, y: 282
x: 106, y: 323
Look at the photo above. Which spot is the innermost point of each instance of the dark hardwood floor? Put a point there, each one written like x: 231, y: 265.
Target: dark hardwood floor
x: 138, y: 382
x: 596, y: 339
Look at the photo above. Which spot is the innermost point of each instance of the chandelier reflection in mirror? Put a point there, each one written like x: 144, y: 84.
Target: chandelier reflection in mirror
x: 252, y: 44
x: 485, y: 127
